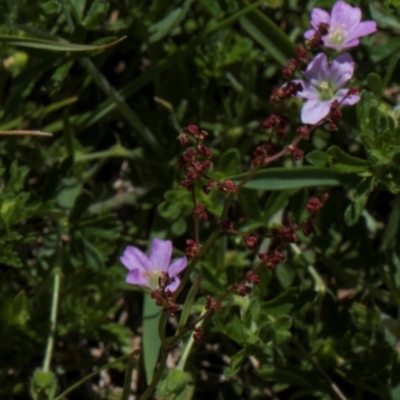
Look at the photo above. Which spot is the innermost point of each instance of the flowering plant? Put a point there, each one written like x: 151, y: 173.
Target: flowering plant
x: 235, y: 236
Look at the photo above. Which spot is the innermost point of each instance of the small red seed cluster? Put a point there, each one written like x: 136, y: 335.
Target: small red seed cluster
x: 195, y: 161
x: 163, y: 296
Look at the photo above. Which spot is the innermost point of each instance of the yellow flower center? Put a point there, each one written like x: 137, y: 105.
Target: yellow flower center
x: 326, y: 91
x: 152, y: 278
x: 337, y: 35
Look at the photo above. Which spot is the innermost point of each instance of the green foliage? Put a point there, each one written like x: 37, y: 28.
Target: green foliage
x: 109, y: 177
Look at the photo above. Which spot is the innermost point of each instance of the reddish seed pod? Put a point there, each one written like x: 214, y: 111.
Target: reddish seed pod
x: 251, y: 241
x: 192, y: 249
x: 251, y: 277
x: 303, y: 131
x: 198, y: 334
x: 298, y: 154
x: 203, y: 151
x: 212, y: 304
x: 193, y: 129
x: 228, y: 186
x: 314, y: 205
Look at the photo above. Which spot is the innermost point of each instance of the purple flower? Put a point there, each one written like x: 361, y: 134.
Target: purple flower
x: 147, y: 271
x: 322, y: 85
x: 345, y: 26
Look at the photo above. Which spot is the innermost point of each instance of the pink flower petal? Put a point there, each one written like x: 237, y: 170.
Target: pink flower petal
x: 313, y: 111
x: 319, y: 16
x: 363, y: 29
x: 160, y: 255
x: 174, y: 285
x: 318, y: 70
x: 346, y: 16
x: 309, y: 91
x: 133, y: 258
x: 349, y: 101
x: 135, y: 277
x: 347, y: 45
x: 309, y: 34
x: 342, y: 69
x: 177, y: 267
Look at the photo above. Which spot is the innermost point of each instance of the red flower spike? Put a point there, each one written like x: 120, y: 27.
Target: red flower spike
x: 333, y: 127
x: 228, y: 186
x: 186, y: 184
x: 226, y: 226
x: 193, y: 129
x: 192, y: 249
x: 184, y: 139
x: 262, y: 256
x: 323, y: 28
x: 251, y: 241
x: 314, y: 205
x: 298, y: 154
x: 242, y: 290
x: 303, y: 131
x: 308, y: 228
x: 212, y: 304
x: 352, y: 91
x: 198, y: 334
x: 251, y: 277
x: 155, y: 294
x: 301, y: 52
x: 203, y: 151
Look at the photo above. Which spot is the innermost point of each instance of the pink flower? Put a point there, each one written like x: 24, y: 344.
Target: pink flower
x: 345, y: 26
x: 323, y: 84
x: 147, y: 271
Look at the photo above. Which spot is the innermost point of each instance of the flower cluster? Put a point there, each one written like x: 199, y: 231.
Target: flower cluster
x: 323, y: 87
x: 324, y: 83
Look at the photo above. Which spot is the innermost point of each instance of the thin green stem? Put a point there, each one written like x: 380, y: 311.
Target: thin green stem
x: 128, y: 375
x: 53, y: 320
x: 156, y: 378
x: 161, y: 329
x: 87, y: 377
x: 188, y: 347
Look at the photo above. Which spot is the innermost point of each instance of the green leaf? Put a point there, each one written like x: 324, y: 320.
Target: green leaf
x: 43, y: 385
x: 281, y: 304
x: 318, y: 158
x: 264, y: 31
x: 96, y: 14
x: 173, y: 384
x: 360, y: 197
x: 213, y: 8
x: 51, y: 7
x: 343, y: 162
x: 235, y: 365
x: 379, y: 53
x: 248, y: 200
x: 81, y: 204
x: 151, y: 340
x: 297, y: 178
x: 229, y: 161
x: 15, y: 311
x: 375, y: 83
x: 162, y: 28
x: 49, y: 45
x: 187, y: 306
